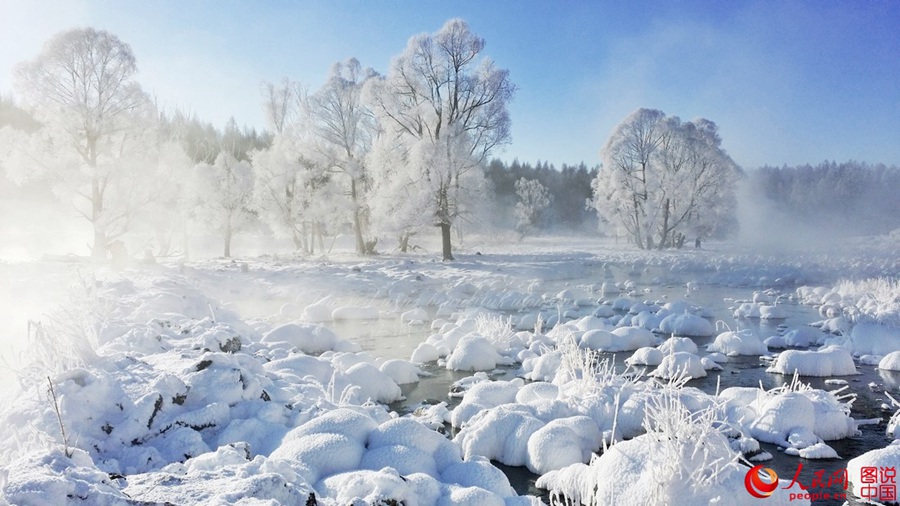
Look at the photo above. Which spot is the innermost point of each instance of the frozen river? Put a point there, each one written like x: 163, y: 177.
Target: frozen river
x: 267, y: 292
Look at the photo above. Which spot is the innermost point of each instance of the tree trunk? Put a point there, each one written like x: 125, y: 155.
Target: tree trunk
x: 303, y: 243
x: 445, y: 241
x: 297, y: 239
x: 357, y: 221
x: 228, y: 240
x: 664, y: 237
x: 404, y: 242
x: 99, y: 248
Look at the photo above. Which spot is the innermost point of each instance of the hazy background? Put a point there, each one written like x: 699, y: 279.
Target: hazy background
x: 787, y: 82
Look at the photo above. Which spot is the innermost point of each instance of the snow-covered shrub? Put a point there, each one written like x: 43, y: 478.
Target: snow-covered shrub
x: 663, y: 465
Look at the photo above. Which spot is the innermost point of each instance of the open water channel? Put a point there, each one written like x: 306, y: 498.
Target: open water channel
x: 390, y: 338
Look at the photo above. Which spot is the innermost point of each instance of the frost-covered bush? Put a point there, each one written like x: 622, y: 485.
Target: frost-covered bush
x: 662, y: 466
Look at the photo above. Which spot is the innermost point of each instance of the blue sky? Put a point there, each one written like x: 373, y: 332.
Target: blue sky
x: 787, y: 82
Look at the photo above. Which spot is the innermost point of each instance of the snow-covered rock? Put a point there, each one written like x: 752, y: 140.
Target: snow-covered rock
x: 738, y: 343
x: 686, y: 324
x: 829, y: 361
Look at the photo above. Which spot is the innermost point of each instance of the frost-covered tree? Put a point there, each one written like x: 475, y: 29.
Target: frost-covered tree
x: 223, y: 193
x: 283, y: 103
x: 663, y: 178
x: 293, y: 191
x: 287, y: 190
x: 446, y: 107
x: 96, y: 123
x: 534, y: 199
x: 343, y: 129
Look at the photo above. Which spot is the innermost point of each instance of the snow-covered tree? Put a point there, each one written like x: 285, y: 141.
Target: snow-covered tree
x: 97, y: 127
x: 283, y: 103
x: 223, y: 193
x: 343, y: 129
x: 534, y: 199
x: 293, y: 191
x: 663, y: 178
x: 447, y: 110
x: 287, y: 190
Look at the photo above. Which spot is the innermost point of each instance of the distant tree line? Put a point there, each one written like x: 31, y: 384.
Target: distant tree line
x: 377, y: 156
x: 852, y: 196
x: 569, y: 187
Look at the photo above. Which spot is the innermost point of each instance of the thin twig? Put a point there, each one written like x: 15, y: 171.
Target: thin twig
x: 62, y: 428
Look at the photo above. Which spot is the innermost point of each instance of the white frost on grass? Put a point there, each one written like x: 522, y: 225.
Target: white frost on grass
x: 792, y: 416
x: 663, y: 466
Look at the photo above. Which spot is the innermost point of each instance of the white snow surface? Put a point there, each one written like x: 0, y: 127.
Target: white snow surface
x: 829, y: 361
x: 196, y: 405
x: 738, y: 343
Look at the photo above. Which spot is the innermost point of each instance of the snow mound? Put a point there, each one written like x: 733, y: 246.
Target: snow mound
x: 888, y: 457
x: 425, y: 353
x: 484, y: 395
x: 597, y: 339
x: 646, y: 356
x: 632, y: 338
x: 792, y: 416
x: 688, y: 325
x: 307, y: 337
x: 500, y: 434
x: 372, y: 384
x: 400, y: 371
x: 875, y: 339
x: 738, y: 343
x: 473, y: 353
x: 803, y: 337
x: 829, y: 361
x: 662, y: 466
x: 680, y: 364
x: 676, y: 344
x: 890, y: 362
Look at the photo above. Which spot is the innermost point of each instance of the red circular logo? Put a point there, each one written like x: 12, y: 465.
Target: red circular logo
x: 754, y: 483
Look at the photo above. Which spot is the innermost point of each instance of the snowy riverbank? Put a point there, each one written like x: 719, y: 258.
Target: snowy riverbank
x: 218, y: 381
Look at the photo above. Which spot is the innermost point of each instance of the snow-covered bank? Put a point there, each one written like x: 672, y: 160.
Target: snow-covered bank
x: 181, y: 401
x: 221, y: 380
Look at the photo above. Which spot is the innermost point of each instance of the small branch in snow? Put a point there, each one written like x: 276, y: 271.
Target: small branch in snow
x: 62, y: 428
